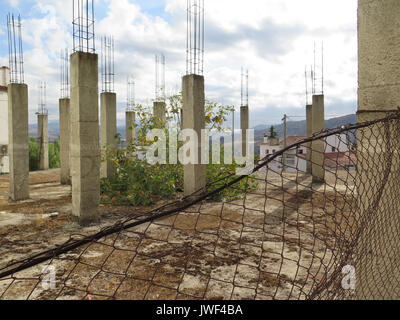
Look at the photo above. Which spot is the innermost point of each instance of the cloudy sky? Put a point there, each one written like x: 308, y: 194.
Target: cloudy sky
x: 274, y: 39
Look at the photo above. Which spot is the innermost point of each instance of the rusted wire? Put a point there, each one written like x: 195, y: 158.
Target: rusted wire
x: 281, y: 237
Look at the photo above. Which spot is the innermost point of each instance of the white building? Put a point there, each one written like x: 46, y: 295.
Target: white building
x: 295, y: 157
x: 4, y: 159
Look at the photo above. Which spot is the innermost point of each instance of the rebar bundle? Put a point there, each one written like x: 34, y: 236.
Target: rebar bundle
x: 15, y: 50
x: 130, y: 94
x: 83, y: 26
x: 42, y: 105
x: 160, y: 78
x: 107, y: 64
x: 64, y: 74
x: 245, y: 88
x: 317, y: 71
x: 195, y: 37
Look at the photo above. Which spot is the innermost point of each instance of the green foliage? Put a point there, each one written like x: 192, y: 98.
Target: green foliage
x: 54, y: 155
x: 33, y: 154
x: 272, y: 133
x: 139, y: 183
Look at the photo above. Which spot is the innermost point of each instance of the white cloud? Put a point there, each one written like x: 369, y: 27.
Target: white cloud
x: 273, y: 38
x: 13, y: 3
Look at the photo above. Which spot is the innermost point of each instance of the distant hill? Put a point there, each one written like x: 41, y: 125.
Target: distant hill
x: 299, y: 128
x: 54, y: 130
x: 293, y: 127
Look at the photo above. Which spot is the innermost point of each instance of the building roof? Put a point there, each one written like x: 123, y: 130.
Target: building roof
x: 337, y: 159
x: 289, y: 141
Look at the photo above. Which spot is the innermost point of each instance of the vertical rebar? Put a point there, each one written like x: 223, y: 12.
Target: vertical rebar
x: 107, y: 64
x: 160, y: 78
x: 15, y: 49
x: 195, y: 37
x: 130, y: 96
x: 64, y: 74
x: 83, y: 26
x: 305, y: 73
x: 42, y: 108
x: 244, y: 88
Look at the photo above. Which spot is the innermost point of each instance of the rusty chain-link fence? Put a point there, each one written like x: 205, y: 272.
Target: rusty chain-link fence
x: 284, y: 238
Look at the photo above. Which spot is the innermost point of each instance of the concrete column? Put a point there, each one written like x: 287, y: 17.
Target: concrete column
x: 108, y: 114
x: 85, y: 145
x: 130, y: 127
x: 244, y: 126
x: 160, y: 112
x: 318, y: 147
x: 378, y: 248
x: 194, y: 118
x: 65, y: 133
x: 18, y: 141
x: 309, y: 134
x: 43, y: 141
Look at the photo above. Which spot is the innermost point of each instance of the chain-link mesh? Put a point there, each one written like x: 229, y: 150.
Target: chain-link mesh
x: 284, y: 238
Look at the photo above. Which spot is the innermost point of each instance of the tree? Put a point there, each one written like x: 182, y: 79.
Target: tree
x: 272, y: 133
x: 139, y: 183
x: 54, y: 155
x: 33, y: 154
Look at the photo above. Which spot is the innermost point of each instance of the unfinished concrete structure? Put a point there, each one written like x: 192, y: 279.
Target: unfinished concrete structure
x: 244, y: 126
x: 309, y: 134
x: 18, y: 138
x: 108, y: 116
x: 194, y: 118
x: 318, y: 147
x: 130, y: 120
x: 65, y: 120
x: 160, y: 112
x: 65, y: 134
x: 130, y: 127
x: 4, y: 158
x: 43, y: 129
x: 378, y: 258
x: 85, y: 150
x: 159, y: 105
x: 43, y: 141
x: 108, y: 109
x: 18, y: 141
x: 244, y: 110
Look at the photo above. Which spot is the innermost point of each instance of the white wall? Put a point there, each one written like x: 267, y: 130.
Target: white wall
x: 339, y: 142
x: 4, y: 79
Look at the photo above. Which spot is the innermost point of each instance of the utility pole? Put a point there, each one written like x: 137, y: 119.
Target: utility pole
x: 233, y: 133
x: 284, y: 141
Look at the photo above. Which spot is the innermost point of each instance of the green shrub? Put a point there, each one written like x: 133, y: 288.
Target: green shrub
x: 33, y: 154
x: 54, y: 155
x: 139, y: 183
